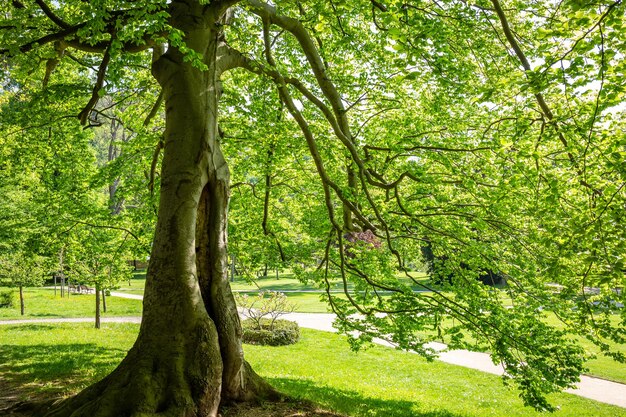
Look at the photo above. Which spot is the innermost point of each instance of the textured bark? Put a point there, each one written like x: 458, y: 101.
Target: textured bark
x: 188, y: 355
x: 239, y: 381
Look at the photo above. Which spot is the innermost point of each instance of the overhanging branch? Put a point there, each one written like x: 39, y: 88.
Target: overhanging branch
x: 51, y: 15
x: 95, y: 95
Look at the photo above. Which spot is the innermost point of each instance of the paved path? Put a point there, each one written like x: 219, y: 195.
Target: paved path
x: 593, y: 388
x: 124, y: 295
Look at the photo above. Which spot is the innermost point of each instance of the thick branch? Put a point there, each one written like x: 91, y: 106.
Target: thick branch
x: 95, y: 95
x: 295, y: 27
x: 155, y: 108
x: 51, y: 15
x: 52, y: 37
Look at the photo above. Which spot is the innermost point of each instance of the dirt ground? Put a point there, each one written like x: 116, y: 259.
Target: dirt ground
x: 285, y: 409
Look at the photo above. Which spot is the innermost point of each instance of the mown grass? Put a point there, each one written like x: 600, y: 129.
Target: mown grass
x: 43, y: 360
x: 288, y: 282
x: 41, y: 303
x: 135, y: 285
x: 63, y: 358
x: 384, y: 382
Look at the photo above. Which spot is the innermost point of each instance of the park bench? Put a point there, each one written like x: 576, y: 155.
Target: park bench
x: 85, y: 289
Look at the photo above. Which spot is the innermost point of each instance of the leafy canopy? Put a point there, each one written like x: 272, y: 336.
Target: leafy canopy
x: 491, y: 132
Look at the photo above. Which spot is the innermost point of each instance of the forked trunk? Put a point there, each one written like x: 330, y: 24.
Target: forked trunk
x: 239, y: 381
x: 188, y: 355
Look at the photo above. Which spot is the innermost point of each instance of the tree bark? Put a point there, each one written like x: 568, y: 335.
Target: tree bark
x: 239, y: 381
x: 188, y: 355
x: 104, y: 301
x: 97, y: 306
x: 22, y: 300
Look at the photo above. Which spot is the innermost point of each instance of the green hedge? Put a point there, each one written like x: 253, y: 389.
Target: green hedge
x: 6, y: 299
x: 283, y: 332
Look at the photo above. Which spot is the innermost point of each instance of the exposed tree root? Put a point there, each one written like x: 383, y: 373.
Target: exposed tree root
x: 180, y: 377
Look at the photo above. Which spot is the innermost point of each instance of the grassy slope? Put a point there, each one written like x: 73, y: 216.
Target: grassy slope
x: 63, y: 358
x: 383, y: 382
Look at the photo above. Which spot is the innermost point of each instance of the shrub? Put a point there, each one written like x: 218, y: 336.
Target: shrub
x: 278, y: 333
x: 265, y: 303
x: 6, y: 299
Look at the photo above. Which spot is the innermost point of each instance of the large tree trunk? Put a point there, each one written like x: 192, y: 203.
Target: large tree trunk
x: 239, y: 381
x: 188, y: 355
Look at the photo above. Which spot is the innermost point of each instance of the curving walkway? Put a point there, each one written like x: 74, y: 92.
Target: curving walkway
x: 593, y: 388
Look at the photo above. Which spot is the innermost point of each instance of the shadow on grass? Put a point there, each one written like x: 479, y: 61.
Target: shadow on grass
x: 33, y: 371
x: 352, y: 402
x: 278, y: 286
x: 29, y: 327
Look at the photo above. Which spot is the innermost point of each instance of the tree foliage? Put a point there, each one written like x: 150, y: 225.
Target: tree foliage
x: 491, y: 131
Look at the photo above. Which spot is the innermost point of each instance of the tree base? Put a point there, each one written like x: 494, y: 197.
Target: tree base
x: 176, y: 375
x: 287, y: 408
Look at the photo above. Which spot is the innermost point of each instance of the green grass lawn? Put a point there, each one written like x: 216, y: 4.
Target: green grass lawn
x: 59, y: 359
x: 284, y: 283
x: 288, y: 282
x: 385, y: 382
x: 135, y: 285
x: 41, y: 303
x: 38, y: 360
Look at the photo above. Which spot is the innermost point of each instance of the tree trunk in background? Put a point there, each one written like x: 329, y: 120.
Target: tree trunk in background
x: 104, y: 301
x: 22, y: 300
x: 188, y: 355
x: 61, y: 268
x: 97, y: 306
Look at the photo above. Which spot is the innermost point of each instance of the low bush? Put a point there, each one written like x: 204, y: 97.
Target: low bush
x: 278, y: 333
x: 265, y: 304
x: 6, y: 299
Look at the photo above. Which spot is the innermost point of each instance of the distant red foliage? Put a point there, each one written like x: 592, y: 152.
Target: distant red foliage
x: 366, y: 236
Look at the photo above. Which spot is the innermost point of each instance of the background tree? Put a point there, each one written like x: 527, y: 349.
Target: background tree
x: 98, y: 257
x: 21, y: 270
